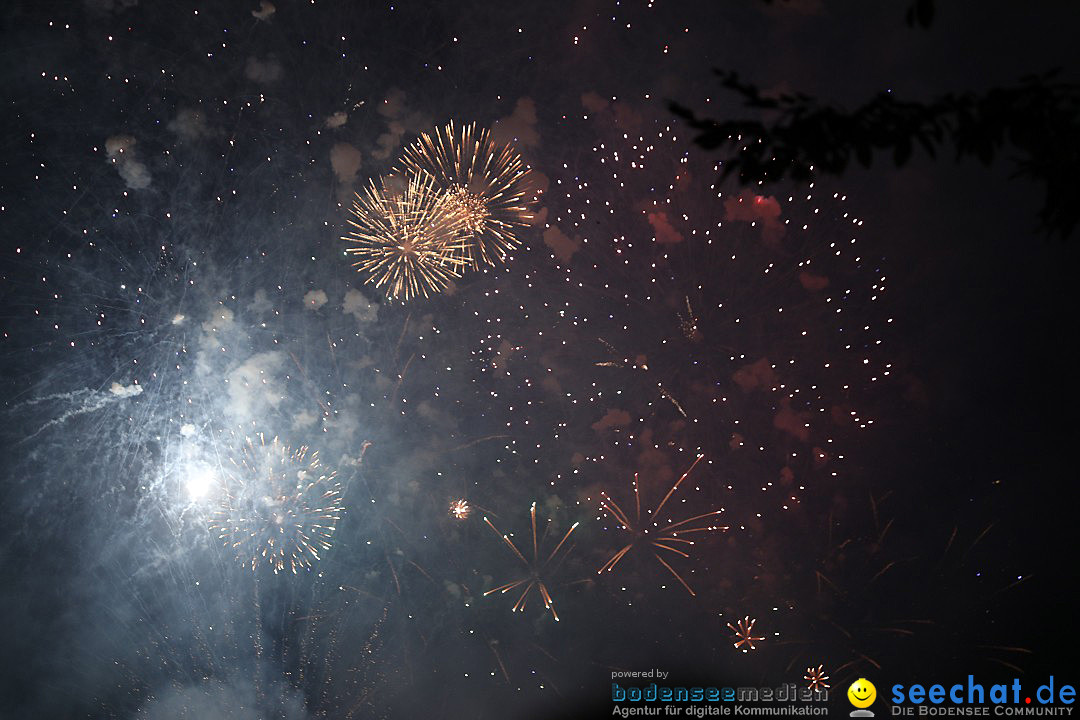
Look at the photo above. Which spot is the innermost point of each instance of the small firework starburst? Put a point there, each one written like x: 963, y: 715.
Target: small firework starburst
x: 744, y: 634
x: 663, y: 537
x: 406, y: 240
x: 537, y: 569
x: 484, y: 185
x: 281, y: 507
x: 816, y: 678
x: 460, y: 509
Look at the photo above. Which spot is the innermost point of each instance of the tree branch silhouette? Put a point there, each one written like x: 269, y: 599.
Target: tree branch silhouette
x: 802, y: 136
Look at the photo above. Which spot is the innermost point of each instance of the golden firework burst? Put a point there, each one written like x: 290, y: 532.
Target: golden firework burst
x: 405, y: 239
x: 484, y: 184
x: 537, y: 569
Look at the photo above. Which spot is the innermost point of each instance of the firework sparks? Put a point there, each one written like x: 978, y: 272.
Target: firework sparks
x: 281, y: 508
x: 484, y: 187
x: 641, y: 363
x: 689, y: 323
x: 744, y: 634
x: 816, y: 678
x: 666, y: 537
x: 407, y: 242
x: 460, y: 509
x: 470, y: 207
x: 537, y: 568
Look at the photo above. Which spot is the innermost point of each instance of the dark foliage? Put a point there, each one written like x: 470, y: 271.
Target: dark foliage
x: 1037, y: 120
x: 921, y: 13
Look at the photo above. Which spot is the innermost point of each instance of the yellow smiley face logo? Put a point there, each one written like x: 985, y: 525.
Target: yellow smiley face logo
x: 862, y: 693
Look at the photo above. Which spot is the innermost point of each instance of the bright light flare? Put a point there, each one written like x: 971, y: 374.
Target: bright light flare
x: 198, y: 482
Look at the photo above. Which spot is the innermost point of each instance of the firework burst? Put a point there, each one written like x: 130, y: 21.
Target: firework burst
x: 460, y: 509
x: 537, y: 569
x: 664, y: 537
x: 280, y: 508
x: 744, y: 634
x: 484, y: 185
x: 407, y: 242
x: 816, y: 678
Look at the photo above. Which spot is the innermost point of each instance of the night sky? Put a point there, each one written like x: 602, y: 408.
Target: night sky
x: 868, y: 375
